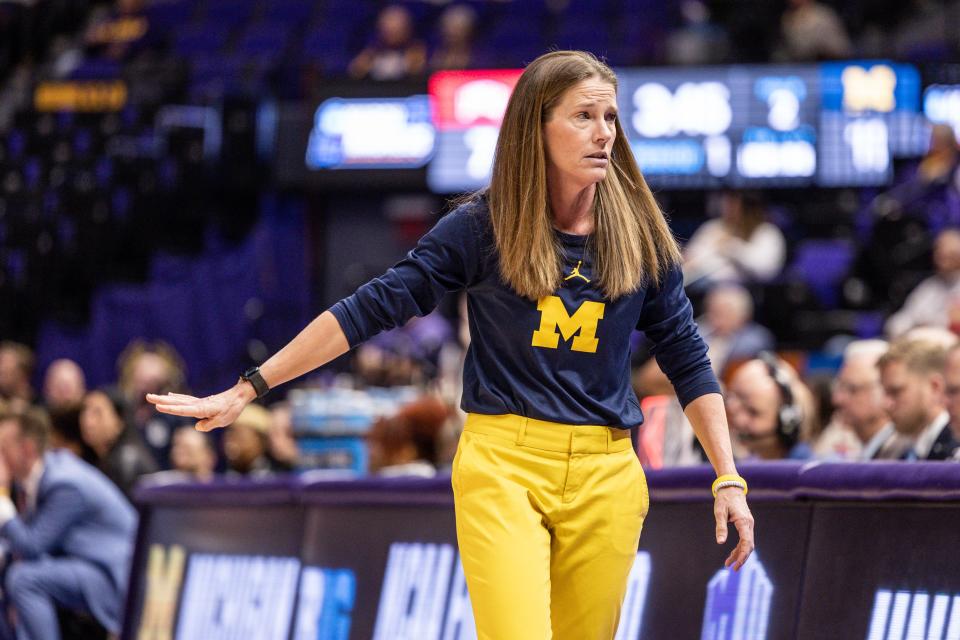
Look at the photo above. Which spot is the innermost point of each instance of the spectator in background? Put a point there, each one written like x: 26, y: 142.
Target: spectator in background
x: 728, y: 330
x: 728, y: 327
x: 739, y: 246
x: 935, y: 302
x: 925, y: 31
x: 192, y: 454
x: 941, y: 164
x: 65, y: 432
x: 457, y: 27
x: 395, y: 53
x: 14, y: 33
x: 769, y: 409
x: 932, y: 192
x: 16, y: 370
x: 407, y: 443
x: 246, y: 444
x: 912, y: 374
x: 731, y: 337
x: 72, y: 541
x: 145, y: 367
x: 64, y: 384
x: 283, y: 449
x: 860, y: 402
x: 937, y: 335
x: 951, y: 376
x: 698, y: 41
x: 116, y: 34
x: 834, y: 440
x: 813, y: 31
x: 120, y: 450
x: 405, y: 356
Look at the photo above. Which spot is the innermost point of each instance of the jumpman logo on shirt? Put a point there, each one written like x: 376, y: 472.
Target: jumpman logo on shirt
x: 576, y: 273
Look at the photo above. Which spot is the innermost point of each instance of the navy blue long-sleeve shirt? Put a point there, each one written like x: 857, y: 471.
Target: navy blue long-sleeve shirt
x: 564, y: 358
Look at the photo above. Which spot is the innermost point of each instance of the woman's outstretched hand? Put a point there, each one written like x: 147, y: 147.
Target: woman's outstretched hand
x: 212, y: 412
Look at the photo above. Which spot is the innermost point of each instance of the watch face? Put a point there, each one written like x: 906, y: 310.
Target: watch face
x: 251, y: 371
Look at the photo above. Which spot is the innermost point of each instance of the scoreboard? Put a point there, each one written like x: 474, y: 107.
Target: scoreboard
x: 468, y: 107
x: 732, y: 125
x: 834, y: 124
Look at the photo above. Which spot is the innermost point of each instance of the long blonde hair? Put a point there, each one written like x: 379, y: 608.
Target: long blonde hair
x: 632, y: 242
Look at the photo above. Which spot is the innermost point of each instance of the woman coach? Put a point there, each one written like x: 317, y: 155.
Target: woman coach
x: 561, y: 258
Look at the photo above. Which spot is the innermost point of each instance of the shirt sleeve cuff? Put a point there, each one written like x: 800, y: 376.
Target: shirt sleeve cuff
x: 692, y: 393
x: 342, y: 314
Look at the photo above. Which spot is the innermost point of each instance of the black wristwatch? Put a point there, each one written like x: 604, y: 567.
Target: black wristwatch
x: 252, y: 375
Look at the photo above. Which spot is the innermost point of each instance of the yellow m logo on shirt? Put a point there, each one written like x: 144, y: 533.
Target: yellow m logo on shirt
x: 553, y: 316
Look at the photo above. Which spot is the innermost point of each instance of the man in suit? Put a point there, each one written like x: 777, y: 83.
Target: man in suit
x: 951, y: 374
x: 860, y: 402
x: 72, y: 540
x: 912, y: 375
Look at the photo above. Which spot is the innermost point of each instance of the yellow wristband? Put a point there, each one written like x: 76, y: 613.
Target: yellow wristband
x: 728, y: 480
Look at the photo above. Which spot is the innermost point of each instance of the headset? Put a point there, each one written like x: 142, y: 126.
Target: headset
x: 790, y: 414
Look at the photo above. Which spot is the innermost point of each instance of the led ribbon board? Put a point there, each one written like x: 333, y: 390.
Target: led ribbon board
x: 833, y: 124
x: 371, y: 133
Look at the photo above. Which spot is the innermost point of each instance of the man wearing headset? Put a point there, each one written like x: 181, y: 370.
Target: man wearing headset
x: 768, y: 409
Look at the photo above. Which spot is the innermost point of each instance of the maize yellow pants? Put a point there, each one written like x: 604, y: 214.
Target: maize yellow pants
x: 548, y: 522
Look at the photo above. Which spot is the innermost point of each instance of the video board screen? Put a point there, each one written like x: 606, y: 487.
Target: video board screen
x: 870, y: 114
x: 833, y: 124
x: 374, y: 135
x: 370, y: 133
x: 467, y: 108
x: 724, y: 125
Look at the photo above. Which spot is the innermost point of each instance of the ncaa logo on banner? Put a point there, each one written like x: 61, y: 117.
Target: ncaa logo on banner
x: 738, y: 603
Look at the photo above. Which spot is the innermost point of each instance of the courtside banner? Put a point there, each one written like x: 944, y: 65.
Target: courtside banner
x: 843, y: 550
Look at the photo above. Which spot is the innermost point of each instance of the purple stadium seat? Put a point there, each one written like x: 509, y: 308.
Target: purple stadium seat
x: 82, y: 142
x: 328, y: 48
x: 32, y: 173
x: 200, y: 40
x: 264, y: 40
x: 230, y: 13
x: 869, y: 324
x: 588, y: 9
x: 97, y: 68
x: 517, y: 43
x: 293, y: 12
x: 168, y: 15
x: 822, y: 265
x: 103, y: 172
x: 121, y: 203
x: 588, y: 35
x: 16, y: 144
x: 532, y: 10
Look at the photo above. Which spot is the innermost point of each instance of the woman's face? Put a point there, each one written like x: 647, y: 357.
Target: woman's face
x: 579, y: 133
x: 99, y: 423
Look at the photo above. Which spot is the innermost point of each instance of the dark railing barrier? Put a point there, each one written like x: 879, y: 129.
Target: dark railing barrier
x: 843, y: 551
